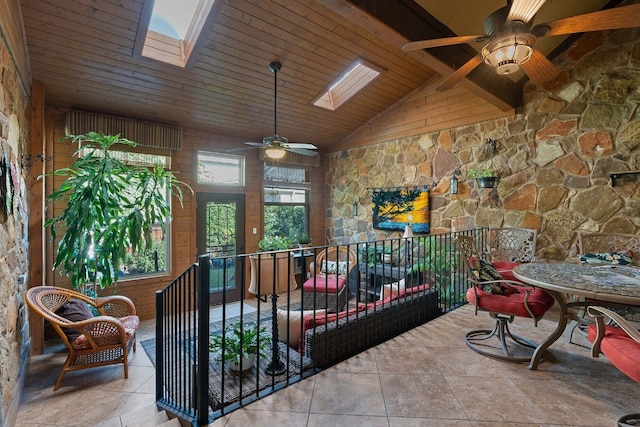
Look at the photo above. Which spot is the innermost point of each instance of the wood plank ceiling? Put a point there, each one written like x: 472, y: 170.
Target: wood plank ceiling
x: 83, y: 52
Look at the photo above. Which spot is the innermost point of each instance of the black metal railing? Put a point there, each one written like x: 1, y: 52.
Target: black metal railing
x: 376, y: 291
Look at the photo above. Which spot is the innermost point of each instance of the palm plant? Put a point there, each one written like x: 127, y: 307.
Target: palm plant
x: 110, y: 208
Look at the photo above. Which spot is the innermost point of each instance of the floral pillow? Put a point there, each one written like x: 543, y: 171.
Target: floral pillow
x: 485, y: 271
x: 614, y: 258
x: 332, y: 267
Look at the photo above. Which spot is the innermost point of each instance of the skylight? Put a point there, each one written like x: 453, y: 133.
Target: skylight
x: 174, y: 29
x: 357, y: 76
x: 173, y: 18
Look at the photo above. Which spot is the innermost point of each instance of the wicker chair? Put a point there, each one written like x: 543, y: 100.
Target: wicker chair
x: 327, y: 286
x: 106, y: 339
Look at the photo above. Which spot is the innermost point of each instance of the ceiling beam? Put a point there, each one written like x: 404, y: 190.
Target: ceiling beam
x: 400, y: 21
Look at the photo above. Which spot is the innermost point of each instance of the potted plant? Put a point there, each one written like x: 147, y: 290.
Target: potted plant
x: 276, y: 263
x: 485, y: 178
x: 274, y: 243
x: 239, y: 345
x: 109, y: 211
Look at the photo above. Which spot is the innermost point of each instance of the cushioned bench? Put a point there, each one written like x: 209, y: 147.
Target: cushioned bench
x: 345, y: 334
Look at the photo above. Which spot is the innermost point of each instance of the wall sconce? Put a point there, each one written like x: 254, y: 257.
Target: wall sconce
x: 355, y: 206
x: 453, y: 184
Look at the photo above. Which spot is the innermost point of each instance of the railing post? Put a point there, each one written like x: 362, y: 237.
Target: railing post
x: 159, y: 345
x: 202, y: 381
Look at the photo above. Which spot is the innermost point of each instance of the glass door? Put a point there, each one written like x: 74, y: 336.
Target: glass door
x: 220, y: 233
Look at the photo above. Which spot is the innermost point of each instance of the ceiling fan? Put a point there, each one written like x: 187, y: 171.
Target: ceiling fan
x: 511, y: 37
x: 276, y: 146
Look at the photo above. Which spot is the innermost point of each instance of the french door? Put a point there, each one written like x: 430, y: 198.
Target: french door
x: 220, y: 233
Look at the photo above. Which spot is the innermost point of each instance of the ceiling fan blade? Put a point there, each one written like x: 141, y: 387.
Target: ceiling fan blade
x: 256, y: 144
x: 539, y: 68
x: 460, y: 73
x: 301, y: 145
x: 302, y: 151
x: 445, y: 41
x: 610, y: 19
x: 524, y: 10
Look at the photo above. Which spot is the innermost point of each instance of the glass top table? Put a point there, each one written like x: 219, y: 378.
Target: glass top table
x: 611, y: 283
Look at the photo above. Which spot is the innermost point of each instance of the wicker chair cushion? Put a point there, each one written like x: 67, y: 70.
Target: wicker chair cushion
x: 620, y: 349
x: 332, y: 267
x: 74, y: 310
x: 512, y: 304
x: 130, y: 324
x: 324, y: 283
x: 614, y: 258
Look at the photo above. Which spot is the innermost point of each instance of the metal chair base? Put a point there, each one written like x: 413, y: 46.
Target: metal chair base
x: 628, y: 420
x: 503, y: 334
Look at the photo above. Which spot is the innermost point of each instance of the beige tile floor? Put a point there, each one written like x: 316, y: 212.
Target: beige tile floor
x: 425, y: 377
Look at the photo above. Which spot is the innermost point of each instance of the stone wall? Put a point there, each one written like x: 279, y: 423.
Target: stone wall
x: 553, y: 160
x: 14, y: 335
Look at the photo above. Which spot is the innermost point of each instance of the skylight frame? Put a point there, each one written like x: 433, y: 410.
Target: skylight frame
x: 171, y: 50
x: 355, y: 78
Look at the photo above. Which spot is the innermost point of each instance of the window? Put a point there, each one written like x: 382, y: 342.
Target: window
x: 286, y: 202
x: 221, y: 169
x: 156, y: 260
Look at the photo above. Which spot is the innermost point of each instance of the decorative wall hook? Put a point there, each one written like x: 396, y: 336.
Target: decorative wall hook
x: 355, y: 206
x: 27, y: 160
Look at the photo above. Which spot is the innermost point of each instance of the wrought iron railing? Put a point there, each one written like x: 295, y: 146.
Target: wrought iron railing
x: 390, y: 287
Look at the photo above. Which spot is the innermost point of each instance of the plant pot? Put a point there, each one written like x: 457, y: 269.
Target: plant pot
x: 247, y: 363
x: 487, y: 181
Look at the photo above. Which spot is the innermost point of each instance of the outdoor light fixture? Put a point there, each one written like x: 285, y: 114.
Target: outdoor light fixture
x: 275, y: 152
x: 507, y: 54
x: 453, y: 184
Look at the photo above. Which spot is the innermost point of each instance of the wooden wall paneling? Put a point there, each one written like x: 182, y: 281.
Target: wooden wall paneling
x: 12, y: 29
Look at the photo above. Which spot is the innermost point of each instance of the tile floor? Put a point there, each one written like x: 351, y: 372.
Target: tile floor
x: 425, y: 377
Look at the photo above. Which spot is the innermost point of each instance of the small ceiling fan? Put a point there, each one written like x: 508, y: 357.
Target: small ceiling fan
x: 276, y: 146
x: 511, y: 38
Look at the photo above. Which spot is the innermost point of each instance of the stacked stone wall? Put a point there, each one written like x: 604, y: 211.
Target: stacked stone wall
x: 14, y: 330
x: 554, y: 160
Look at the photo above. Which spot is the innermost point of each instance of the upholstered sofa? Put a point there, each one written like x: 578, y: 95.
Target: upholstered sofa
x: 334, y: 337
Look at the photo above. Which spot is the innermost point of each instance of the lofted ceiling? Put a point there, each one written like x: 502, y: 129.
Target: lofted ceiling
x: 83, y: 51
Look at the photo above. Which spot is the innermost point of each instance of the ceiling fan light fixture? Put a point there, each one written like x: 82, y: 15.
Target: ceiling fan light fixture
x: 508, y: 53
x: 275, y: 152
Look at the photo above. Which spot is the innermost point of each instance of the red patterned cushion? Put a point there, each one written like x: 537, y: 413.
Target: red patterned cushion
x: 329, y: 283
x: 130, y: 324
x: 505, y: 268
x: 512, y: 304
x: 620, y: 349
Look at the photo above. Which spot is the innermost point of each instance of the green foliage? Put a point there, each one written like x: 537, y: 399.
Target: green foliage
x: 144, y: 261
x: 480, y: 173
x: 109, y: 210
x: 238, y: 342
x: 283, y: 220
x: 274, y: 243
x: 304, y: 239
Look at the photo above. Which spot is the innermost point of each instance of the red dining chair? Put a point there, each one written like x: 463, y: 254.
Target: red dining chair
x: 504, y: 300
x: 619, y: 340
